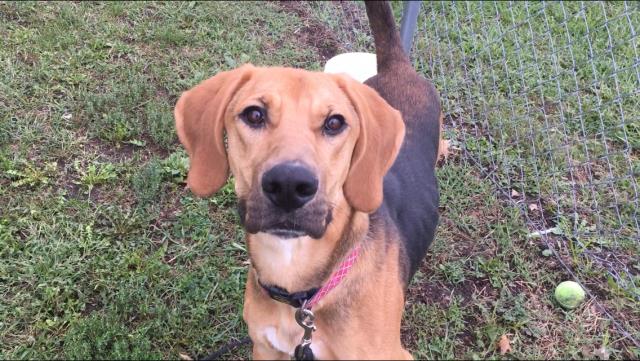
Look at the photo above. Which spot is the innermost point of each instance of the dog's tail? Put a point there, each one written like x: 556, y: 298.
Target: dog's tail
x: 385, y: 34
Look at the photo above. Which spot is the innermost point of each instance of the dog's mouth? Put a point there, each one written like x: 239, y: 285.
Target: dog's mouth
x: 286, y: 233
x: 312, y: 220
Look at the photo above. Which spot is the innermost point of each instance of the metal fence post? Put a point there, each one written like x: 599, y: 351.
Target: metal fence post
x: 408, y: 26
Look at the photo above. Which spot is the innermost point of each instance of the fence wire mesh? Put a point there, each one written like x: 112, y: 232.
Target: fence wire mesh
x: 542, y: 98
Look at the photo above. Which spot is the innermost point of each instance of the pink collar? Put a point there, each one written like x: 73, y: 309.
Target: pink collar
x: 310, y: 298
x: 336, y: 277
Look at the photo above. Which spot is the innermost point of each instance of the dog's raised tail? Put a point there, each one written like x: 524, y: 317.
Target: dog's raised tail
x: 385, y: 34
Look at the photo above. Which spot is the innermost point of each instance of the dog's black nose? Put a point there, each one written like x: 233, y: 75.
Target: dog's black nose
x: 289, y: 185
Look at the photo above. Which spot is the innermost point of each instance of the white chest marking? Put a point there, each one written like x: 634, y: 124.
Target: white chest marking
x: 279, y: 250
x: 276, y: 342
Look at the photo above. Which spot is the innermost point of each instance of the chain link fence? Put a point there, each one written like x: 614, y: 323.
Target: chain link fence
x: 543, y: 99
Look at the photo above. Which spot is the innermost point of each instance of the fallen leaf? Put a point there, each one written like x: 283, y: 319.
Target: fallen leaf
x: 184, y: 357
x: 504, y: 344
x: 443, y: 150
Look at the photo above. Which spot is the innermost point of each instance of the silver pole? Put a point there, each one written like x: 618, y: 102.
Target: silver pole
x: 408, y: 26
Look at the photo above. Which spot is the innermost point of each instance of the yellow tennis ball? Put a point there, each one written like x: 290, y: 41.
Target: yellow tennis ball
x: 569, y: 294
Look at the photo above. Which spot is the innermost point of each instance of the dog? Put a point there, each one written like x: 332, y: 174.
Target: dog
x: 336, y: 191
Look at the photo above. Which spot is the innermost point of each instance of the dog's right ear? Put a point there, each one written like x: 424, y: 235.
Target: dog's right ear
x: 381, y: 134
x: 199, y: 115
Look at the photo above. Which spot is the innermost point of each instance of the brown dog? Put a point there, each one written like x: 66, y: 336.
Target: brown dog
x: 309, y: 153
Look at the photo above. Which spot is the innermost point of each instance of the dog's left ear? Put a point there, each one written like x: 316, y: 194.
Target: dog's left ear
x: 199, y: 115
x: 378, y: 144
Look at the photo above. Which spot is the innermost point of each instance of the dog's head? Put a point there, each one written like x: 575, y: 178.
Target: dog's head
x: 299, y: 143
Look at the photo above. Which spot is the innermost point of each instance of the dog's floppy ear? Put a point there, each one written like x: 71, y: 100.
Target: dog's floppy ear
x: 378, y: 144
x: 199, y: 117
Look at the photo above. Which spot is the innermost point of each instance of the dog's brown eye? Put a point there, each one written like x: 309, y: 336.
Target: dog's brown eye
x: 253, y: 116
x: 334, y: 124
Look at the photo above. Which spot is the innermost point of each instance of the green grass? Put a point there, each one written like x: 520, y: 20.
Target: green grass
x: 105, y: 255
x: 544, y: 98
x: 553, y: 87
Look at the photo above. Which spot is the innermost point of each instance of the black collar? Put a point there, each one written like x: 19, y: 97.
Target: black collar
x: 293, y: 299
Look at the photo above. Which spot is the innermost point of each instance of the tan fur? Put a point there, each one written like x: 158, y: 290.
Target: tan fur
x: 309, y: 255
x: 360, y: 318
x: 371, y: 298
x: 298, y: 102
x: 199, y: 115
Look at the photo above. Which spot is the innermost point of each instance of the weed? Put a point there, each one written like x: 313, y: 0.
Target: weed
x: 94, y: 174
x: 453, y: 271
x: 512, y: 309
x: 176, y: 166
x: 226, y: 196
x: 31, y: 175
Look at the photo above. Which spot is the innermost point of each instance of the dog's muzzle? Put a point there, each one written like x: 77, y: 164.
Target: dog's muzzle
x: 287, y: 204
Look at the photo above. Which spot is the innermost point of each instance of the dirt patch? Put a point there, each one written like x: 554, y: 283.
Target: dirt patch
x: 91, y: 306
x: 313, y: 33
x: 119, y: 151
x: 440, y: 293
x: 356, y: 14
